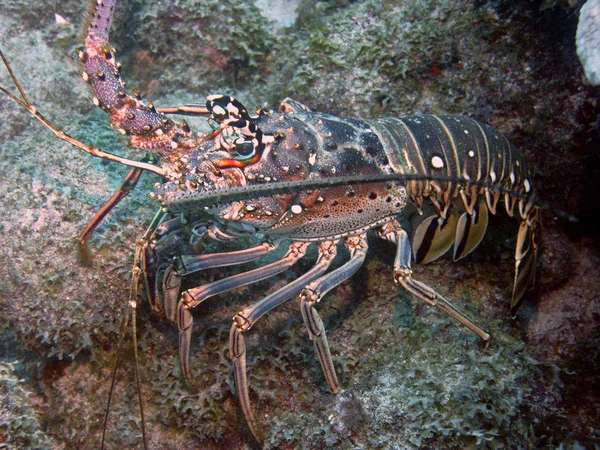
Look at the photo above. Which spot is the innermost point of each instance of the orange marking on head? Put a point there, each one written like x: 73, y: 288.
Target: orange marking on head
x: 225, y: 163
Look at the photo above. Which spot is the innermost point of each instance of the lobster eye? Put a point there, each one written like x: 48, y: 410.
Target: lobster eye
x: 244, y: 150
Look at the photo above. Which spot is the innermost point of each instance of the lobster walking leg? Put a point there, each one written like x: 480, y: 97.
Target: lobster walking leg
x: 315, y: 291
x: 126, y: 188
x: 193, y: 297
x: 150, y: 265
x: 402, y: 274
x: 244, y: 320
x: 186, y: 265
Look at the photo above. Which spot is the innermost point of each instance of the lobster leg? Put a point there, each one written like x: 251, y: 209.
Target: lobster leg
x: 186, y: 265
x: 151, y: 268
x: 126, y: 188
x: 402, y: 274
x: 172, y: 280
x: 193, y: 297
x: 315, y: 291
x: 150, y: 261
x: 244, y: 320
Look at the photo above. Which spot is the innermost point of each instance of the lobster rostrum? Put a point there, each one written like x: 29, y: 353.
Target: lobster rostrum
x: 295, y: 178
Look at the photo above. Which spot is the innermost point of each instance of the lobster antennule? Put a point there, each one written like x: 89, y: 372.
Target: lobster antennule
x: 96, y: 152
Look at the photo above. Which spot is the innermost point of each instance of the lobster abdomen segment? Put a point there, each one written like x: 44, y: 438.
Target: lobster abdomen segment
x: 480, y: 163
x: 456, y: 147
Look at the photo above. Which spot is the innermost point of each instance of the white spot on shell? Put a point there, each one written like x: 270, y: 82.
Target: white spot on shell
x: 493, y: 175
x: 296, y: 209
x: 527, y: 185
x: 512, y: 177
x: 233, y: 109
x: 95, y: 101
x: 471, y: 153
x: 218, y: 110
x: 437, y: 162
x: 466, y: 131
x: 312, y: 159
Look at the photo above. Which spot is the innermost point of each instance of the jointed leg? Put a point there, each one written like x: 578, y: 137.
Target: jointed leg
x: 403, y: 275
x: 126, y: 188
x: 193, y: 297
x: 315, y: 291
x: 244, y: 320
x: 150, y: 261
x: 186, y: 265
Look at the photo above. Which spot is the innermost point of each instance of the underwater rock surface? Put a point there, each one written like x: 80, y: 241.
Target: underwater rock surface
x: 588, y: 40
x: 411, y: 377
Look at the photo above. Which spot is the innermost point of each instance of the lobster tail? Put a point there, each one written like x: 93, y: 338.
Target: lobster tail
x: 482, y: 167
x: 525, y: 256
x: 149, y: 129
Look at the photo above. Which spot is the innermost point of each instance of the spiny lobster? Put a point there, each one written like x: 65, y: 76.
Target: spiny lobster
x: 297, y: 177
